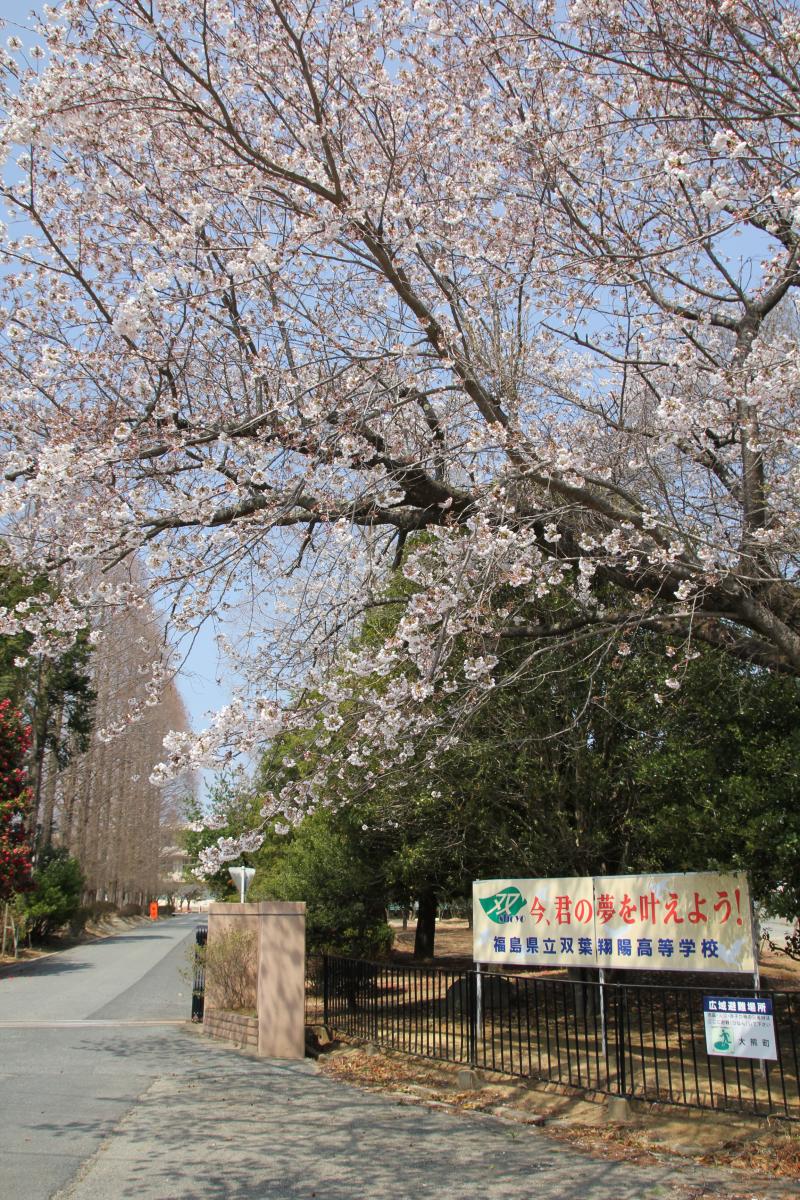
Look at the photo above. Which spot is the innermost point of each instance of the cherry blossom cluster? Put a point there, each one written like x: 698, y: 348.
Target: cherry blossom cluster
x: 472, y: 314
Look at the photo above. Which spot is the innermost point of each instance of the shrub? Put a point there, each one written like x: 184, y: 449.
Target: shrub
x: 230, y: 963
x: 78, y: 920
x: 55, y: 898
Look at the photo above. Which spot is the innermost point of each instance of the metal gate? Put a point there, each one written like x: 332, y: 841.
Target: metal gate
x: 199, y: 980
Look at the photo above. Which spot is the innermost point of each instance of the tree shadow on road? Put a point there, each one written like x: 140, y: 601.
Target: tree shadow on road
x: 43, y: 966
x: 259, y: 1130
x: 117, y: 938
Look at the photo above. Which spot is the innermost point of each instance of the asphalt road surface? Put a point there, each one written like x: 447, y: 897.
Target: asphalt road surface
x: 70, y: 1063
x: 106, y: 1093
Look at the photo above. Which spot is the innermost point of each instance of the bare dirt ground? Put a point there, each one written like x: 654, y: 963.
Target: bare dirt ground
x: 761, y: 1149
x: 453, y: 948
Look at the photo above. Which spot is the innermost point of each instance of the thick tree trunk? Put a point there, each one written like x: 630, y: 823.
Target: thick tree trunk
x: 585, y: 994
x: 49, y: 800
x: 426, y: 925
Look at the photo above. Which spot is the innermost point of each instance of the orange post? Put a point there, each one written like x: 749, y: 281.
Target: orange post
x: 154, y: 911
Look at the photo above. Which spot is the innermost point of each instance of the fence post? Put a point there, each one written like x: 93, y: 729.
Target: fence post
x: 620, y: 1033
x: 375, y: 1005
x: 472, y: 1018
x: 601, y: 980
x: 325, y: 992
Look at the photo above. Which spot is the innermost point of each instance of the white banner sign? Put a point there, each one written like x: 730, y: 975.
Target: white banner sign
x: 698, y: 921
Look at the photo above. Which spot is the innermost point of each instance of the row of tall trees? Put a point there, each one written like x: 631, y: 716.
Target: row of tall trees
x: 107, y: 812
x: 93, y: 741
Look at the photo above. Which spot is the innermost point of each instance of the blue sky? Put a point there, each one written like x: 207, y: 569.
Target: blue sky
x: 201, y: 681
x: 16, y: 11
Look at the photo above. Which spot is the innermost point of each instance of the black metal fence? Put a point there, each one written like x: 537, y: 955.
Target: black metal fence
x: 645, y: 1041
x: 199, y: 980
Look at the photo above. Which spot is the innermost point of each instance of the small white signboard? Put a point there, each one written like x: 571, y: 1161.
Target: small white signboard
x: 739, y: 1027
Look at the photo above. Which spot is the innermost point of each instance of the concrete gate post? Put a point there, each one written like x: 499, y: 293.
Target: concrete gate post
x: 282, y: 979
x: 280, y: 928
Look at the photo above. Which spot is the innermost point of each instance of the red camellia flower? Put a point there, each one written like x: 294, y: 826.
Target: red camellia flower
x: 15, y: 800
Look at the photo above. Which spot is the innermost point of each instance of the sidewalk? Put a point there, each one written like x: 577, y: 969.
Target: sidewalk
x: 226, y: 1126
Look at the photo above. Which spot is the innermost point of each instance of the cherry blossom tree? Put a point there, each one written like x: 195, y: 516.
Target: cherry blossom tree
x: 499, y: 294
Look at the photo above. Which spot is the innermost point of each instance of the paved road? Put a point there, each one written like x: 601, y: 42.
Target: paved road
x: 68, y: 1068
x: 95, y: 1105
